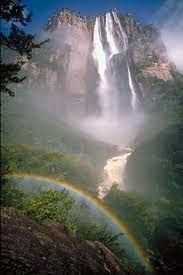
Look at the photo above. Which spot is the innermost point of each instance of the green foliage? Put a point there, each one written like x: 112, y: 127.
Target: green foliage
x: 49, y: 204
x: 12, y: 10
x: 158, y: 156
x: 172, y: 97
x: 10, y: 195
x: 19, y: 41
x: 138, y: 214
x: 167, y: 96
x: 59, y: 206
x: 101, y: 233
x: 167, y: 240
x: 16, y: 40
x: 78, y: 218
x: 157, y: 226
x: 91, y: 227
x: 8, y: 163
x: 159, y: 164
x: 52, y: 164
x: 52, y: 205
x: 155, y: 171
x: 35, y: 127
x: 9, y: 74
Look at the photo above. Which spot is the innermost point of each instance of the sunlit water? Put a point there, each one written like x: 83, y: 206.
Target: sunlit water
x: 134, y: 99
x: 109, y: 39
x: 114, y: 172
x: 102, y: 53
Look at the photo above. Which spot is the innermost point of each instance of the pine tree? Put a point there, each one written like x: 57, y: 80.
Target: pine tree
x: 14, y: 12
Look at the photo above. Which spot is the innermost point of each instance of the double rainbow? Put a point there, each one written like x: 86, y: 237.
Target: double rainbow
x: 97, y: 203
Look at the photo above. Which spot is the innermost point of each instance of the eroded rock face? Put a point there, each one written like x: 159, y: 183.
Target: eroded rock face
x: 30, y: 248
x: 145, y: 44
x: 147, y: 49
x: 65, y: 65
x: 75, y: 31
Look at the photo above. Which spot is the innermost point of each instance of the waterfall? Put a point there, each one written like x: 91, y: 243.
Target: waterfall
x: 99, y: 54
x: 110, y: 35
x: 100, y: 59
x: 132, y: 88
x: 110, y: 39
x: 102, y: 55
x: 114, y: 172
x: 125, y: 46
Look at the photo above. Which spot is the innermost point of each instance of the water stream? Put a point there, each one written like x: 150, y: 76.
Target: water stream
x: 117, y: 43
x: 110, y: 39
x: 114, y: 172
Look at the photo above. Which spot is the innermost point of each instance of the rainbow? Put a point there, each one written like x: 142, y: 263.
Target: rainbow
x: 96, y: 202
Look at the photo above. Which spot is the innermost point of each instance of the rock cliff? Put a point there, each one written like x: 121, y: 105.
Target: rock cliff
x: 66, y: 65
x: 47, y: 248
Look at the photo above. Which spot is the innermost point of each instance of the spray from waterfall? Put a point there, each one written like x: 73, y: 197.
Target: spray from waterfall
x: 110, y: 39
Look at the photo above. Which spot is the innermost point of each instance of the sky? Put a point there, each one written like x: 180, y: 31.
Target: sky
x: 166, y: 14
x: 143, y: 10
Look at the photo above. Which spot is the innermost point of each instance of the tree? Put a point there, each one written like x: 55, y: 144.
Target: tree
x: 11, y: 196
x: 50, y: 204
x: 8, y: 162
x: 14, y: 12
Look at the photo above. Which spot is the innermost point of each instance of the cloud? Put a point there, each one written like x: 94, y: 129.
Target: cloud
x: 170, y: 20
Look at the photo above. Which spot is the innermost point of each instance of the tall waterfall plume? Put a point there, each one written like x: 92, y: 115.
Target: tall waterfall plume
x: 107, y: 39
x: 100, y: 59
x: 134, y: 99
x: 110, y: 45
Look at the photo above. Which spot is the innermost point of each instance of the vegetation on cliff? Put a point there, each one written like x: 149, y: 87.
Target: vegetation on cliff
x: 155, y: 172
x: 152, y: 209
x: 16, y: 40
x: 52, y: 250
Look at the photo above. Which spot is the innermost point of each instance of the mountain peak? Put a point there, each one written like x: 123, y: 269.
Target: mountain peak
x: 69, y: 62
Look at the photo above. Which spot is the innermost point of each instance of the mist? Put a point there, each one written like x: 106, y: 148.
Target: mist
x: 121, y: 132
x: 55, y: 94
x: 170, y: 21
x: 59, y: 99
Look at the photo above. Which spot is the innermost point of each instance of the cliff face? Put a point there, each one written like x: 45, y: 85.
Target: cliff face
x: 76, y: 33
x: 30, y: 248
x: 147, y: 49
x: 66, y: 63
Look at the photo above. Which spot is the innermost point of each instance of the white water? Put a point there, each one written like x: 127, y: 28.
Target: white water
x: 125, y: 46
x: 98, y: 50
x: 110, y: 35
x: 102, y: 56
x: 134, y: 96
x: 102, y: 53
x: 114, y: 172
x: 100, y: 59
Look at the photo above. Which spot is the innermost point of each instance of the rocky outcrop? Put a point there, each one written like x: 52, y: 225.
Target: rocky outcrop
x: 48, y: 248
x: 68, y: 18
x: 147, y: 49
x: 75, y: 31
x: 65, y: 65
x: 146, y: 46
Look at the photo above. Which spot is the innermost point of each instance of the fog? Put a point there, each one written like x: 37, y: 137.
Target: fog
x: 169, y: 19
x: 64, y: 83
x: 57, y: 93
x: 117, y: 123
x: 57, y: 96
x: 121, y: 132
